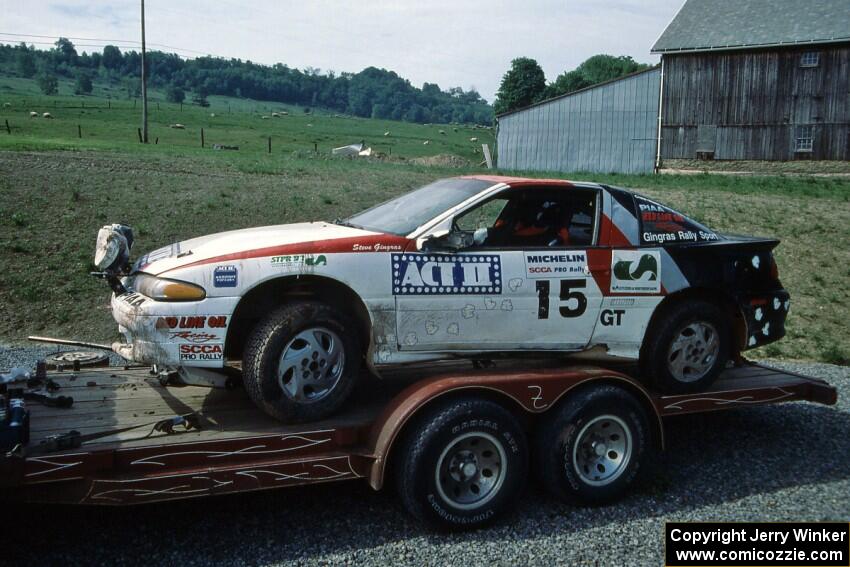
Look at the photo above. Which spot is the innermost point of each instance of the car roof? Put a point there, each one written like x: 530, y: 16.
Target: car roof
x: 529, y: 181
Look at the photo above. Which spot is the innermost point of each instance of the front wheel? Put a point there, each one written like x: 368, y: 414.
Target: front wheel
x: 462, y: 464
x: 301, y: 362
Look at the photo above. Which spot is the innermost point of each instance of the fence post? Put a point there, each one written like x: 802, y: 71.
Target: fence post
x: 8, y: 128
x: 79, y: 131
x: 156, y: 141
x: 202, y: 137
x: 270, y: 144
x: 315, y: 147
x: 139, y: 130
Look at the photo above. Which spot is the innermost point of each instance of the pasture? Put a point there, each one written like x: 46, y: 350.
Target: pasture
x: 52, y: 202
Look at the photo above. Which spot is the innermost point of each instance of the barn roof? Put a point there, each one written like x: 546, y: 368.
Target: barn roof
x: 707, y: 25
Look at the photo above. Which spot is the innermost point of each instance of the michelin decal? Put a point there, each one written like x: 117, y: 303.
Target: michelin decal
x: 539, y: 265
x: 425, y: 274
x: 636, y: 271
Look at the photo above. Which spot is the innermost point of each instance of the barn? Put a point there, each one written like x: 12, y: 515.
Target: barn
x: 738, y: 80
x: 610, y: 127
x: 756, y: 80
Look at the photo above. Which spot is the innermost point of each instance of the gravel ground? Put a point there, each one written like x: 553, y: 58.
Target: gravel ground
x: 787, y: 462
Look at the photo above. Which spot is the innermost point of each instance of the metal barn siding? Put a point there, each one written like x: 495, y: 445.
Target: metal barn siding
x: 608, y: 128
x: 747, y: 105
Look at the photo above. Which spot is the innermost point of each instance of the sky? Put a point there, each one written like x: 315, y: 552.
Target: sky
x: 465, y: 43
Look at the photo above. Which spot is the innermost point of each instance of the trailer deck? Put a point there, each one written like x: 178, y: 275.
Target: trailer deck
x: 239, y: 448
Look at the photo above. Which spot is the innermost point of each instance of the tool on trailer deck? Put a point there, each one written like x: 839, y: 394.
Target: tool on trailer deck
x: 66, y: 342
x: 74, y: 439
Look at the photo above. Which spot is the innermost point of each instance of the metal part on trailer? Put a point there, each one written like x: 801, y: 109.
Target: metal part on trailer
x: 238, y: 448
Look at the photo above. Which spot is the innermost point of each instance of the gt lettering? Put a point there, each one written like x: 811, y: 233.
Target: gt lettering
x: 567, y: 296
x: 612, y: 317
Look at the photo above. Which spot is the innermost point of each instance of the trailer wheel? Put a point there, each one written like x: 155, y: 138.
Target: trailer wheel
x: 301, y: 362
x: 688, y: 349
x: 589, y: 450
x: 462, y: 465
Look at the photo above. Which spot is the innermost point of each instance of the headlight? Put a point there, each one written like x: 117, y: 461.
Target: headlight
x: 166, y: 290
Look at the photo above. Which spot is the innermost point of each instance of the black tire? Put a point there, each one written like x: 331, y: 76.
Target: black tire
x: 559, y: 447
x: 655, y: 363
x: 451, y: 430
x: 266, y: 344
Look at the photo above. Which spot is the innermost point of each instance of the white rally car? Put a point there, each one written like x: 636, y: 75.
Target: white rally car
x: 470, y: 267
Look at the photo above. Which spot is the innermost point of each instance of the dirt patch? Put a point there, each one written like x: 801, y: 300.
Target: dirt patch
x: 743, y: 167
x: 442, y: 160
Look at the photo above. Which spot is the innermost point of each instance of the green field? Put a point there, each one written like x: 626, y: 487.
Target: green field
x: 52, y: 202
x: 112, y: 123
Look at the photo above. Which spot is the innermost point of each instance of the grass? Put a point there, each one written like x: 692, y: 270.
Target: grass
x: 53, y: 202
x: 112, y: 123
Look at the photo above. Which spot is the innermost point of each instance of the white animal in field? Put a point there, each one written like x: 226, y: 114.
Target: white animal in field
x: 473, y: 140
x: 265, y: 117
x: 178, y: 126
x: 443, y: 132
x: 33, y: 114
x: 387, y: 133
x: 212, y: 115
x: 47, y: 115
x: 426, y: 142
x: 7, y: 105
x: 276, y: 114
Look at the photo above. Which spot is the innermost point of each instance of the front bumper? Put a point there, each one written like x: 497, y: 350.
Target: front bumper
x: 172, y: 333
x: 765, y: 315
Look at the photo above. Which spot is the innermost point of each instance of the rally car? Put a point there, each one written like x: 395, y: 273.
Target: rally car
x: 473, y: 267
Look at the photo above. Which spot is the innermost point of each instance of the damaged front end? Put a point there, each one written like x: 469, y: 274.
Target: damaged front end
x: 163, y: 321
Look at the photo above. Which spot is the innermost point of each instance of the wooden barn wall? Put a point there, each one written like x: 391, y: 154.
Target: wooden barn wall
x: 609, y: 128
x: 754, y: 100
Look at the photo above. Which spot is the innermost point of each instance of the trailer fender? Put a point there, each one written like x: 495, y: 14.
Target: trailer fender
x: 530, y: 392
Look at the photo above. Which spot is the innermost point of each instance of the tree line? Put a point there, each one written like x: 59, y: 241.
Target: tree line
x: 371, y: 93
x: 525, y: 83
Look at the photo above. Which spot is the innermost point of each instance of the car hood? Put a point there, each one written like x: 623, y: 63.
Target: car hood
x: 236, y: 244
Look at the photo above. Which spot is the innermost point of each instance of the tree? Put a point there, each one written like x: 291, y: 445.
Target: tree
x: 112, y: 58
x: 65, y: 51
x: 522, y: 85
x: 48, y: 84
x: 83, y: 84
x: 173, y: 93
x: 26, y: 61
x: 200, y: 97
x: 592, y: 71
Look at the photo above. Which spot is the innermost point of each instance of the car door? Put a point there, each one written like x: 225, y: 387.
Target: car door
x: 497, y: 295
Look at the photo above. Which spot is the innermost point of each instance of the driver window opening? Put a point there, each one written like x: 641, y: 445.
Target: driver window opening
x: 533, y: 218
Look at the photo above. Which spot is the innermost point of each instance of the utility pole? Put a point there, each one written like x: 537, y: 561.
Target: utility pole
x: 144, y: 83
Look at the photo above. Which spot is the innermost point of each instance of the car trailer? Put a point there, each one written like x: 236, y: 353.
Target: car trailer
x: 458, y: 443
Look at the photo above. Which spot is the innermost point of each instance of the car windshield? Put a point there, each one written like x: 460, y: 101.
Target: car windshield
x: 404, y: 214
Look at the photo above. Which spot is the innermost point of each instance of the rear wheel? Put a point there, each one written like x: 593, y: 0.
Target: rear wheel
x: 301, y: 362
x: 688, y: 349
x: 462, y: 465
x: 591, y: 449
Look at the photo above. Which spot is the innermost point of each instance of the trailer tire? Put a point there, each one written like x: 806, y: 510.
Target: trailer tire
x: 567, y: 445
x: 313, y: 340
x: 462, y: 464
x: 688, y: 349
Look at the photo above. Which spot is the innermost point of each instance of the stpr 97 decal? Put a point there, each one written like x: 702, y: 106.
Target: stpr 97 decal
x: 476, y: 267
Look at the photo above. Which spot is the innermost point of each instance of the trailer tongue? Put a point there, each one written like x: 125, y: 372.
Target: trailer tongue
x: 136, y: 440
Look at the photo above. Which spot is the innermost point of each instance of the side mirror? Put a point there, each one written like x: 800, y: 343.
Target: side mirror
x: 446, y: 240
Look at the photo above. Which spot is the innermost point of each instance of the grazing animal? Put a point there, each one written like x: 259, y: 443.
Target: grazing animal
x: 178, y: 126
x: 7, y: 105
x: 443, y: 132
x: 33, y: 114
x: 265, y: 117
x: 473, y: 140
x: 47, y: 115
x: 426, y: 142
